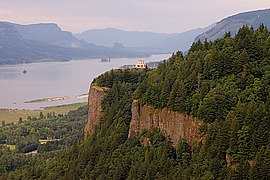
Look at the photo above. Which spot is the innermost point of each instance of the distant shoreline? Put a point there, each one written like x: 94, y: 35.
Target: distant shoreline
x: 74, y: 58
x: 83, y: 96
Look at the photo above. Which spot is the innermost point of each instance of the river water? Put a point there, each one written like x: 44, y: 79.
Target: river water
x: 54, y: 79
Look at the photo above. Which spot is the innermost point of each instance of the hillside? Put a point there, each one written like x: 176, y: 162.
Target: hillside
x: 161, y: 42
x: 49, y: 33
x: 235, y: 22
x: 107, y: 37
x: 41, y: 42
x: 225, y: 84
x: 14, y: 49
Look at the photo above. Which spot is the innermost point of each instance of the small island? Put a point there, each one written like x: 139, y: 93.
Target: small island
x: 48, y: 99
x: 105, y: 60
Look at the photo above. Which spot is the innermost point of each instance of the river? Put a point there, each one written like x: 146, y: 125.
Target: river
x: 54, y: 79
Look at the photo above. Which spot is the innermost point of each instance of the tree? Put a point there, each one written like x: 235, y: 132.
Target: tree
x: 260, y: 170
x: 213, y: 106
x: 29, y: 118
x: 244, y: 143
x: 227, y: 34
x: 3, y: 138
x: 20, y: 120
x: 41, y: 116
x: 177, y: 96
x: 165, y: 93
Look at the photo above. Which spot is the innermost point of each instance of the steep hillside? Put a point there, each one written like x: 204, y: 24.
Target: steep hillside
x: 95, y: 96
x: 225, y: 81
x: 234, y: 23
x: 173, y: 125
x: 49, y: 33
x: 14, y: 49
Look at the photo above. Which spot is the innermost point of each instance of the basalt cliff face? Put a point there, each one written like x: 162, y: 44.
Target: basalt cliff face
x: 172, y: 124
x: 95, y: 97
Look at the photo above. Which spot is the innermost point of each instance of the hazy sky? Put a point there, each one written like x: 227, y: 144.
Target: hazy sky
x: 143, y: 15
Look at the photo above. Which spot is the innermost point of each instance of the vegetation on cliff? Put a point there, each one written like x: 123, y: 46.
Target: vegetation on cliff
x: 225, y: 83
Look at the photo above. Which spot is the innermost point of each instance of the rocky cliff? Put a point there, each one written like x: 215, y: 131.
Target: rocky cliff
x: 172, y: 124
x: 95, y: 97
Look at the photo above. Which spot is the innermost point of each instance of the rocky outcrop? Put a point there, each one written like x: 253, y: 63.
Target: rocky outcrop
x: 234, y: 164
x: 95, y: 97
x: 172, y: 124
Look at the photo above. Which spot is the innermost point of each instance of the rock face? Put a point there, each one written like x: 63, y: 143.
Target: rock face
x: 95, y: 97
x: 172, y: 124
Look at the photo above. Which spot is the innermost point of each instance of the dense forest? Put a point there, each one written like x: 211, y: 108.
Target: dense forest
x: 225, y: 83
x: 18, y: 141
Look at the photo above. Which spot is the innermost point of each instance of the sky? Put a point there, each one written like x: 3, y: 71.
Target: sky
x: 166, y: 16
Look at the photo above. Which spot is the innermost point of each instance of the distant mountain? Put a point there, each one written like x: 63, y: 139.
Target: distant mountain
x: 107, y: 37
x: 49, y: 33
x: 47, y: 41
x: 15, y: 49
x: 235, y: 22
x: 29, y: 43
x: 160, y: 42
x: 182, y: 41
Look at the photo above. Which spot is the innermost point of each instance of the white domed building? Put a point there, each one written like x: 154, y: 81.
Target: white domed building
x: 140, y: 64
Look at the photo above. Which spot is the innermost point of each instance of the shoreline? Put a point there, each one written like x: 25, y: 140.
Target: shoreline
x: 83, y: 96
x: 44, y: 60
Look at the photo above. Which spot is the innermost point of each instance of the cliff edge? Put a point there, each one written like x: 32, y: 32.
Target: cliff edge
x: 95, y: 97
x: 172, y: 124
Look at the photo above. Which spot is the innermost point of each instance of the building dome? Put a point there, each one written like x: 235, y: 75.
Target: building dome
x: 140, y: 64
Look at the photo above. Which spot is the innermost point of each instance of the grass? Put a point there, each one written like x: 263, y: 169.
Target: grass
x: 10, y: 115
x: 11, y: 147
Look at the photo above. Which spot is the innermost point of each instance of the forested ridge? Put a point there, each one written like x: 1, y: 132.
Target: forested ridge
x: 224, y: 83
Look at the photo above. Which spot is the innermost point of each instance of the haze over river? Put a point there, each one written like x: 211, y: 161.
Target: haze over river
x: 54, y: 79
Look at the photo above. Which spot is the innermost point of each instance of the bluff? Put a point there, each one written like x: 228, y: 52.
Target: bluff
x: 171, y: 123
x: 95, y: 97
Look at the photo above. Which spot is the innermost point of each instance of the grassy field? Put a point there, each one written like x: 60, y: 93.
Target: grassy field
x: 11, y: 147
x: 9, y: 116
